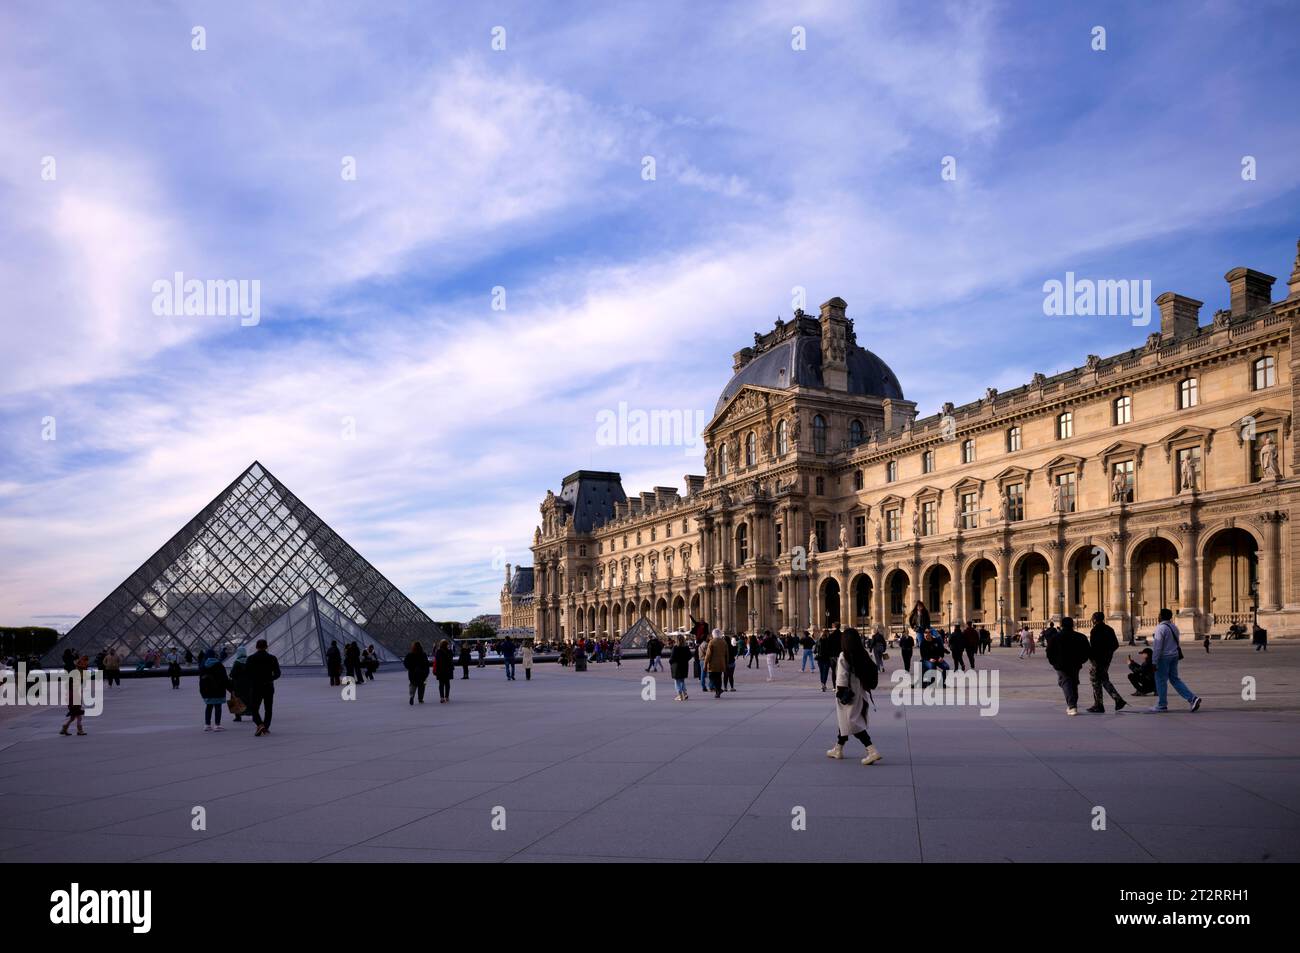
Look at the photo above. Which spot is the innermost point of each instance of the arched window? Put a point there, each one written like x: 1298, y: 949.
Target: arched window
x: 1265, y: 373
x: 742, y: 543
x: 927, y: 462
x: 1065, y: 426
x: 1123, y: 410
x: 1188, y: 395
x: 1013, y: 440
x: 782, y: 438
x: 819, y: 434
x: 751, y: 449
x: 855, y: 433
x: 723, y: 462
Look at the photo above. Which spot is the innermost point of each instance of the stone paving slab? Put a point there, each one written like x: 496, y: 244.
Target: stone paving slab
x: 588, y: 771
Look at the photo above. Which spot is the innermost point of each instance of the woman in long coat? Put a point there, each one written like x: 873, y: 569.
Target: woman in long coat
x: 851, y: 697
x: 715, y: 661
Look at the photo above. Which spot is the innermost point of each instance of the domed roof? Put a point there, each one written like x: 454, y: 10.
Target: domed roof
x: 798, y: 360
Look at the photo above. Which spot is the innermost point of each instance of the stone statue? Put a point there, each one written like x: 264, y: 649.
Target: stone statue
x: 1268, y: 457
x: 844, y: 536
x: 812, y: 542
x: 879, y: 538
x: 767, y: 442
x: 1119, y: 488
x: 1003, y: 515
x: 1056, y: 497
x: 1188, y: 474
x: 797, y: 429
x: 916, y: 522
x: 708, y: 462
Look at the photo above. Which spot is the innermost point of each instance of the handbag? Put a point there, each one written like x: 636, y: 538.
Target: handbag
x: 236, y: 705
x: 844, y: 695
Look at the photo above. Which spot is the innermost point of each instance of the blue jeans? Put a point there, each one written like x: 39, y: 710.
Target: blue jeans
x: 1166, y: 675
x: 704, y: 679
x: 510, y: 668
x: 807, y: 660
x: 681, y: 685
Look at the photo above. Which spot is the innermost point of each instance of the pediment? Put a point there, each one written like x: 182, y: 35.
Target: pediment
x: 746, y: 402
x: 1013, y: 475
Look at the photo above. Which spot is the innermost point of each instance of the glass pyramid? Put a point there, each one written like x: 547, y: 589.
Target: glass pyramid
x: 638, y: 636
x: 248, y: 557
x: 302, y: 635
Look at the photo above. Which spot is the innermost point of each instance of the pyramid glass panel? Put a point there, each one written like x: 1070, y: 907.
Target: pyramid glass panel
x: 241, y: 564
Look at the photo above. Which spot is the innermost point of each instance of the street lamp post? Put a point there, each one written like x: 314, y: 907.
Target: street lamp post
x: 1002, y: 624
x: 947, y: 614
x: 1132, y: 623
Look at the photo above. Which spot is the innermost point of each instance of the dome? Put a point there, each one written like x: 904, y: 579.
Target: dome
x: 798, y: 360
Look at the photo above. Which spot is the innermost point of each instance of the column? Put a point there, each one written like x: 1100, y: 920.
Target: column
x: 1055, y: 592
x: 1270, y: 563
x: 1189, y: 574
x: 1117, y: 607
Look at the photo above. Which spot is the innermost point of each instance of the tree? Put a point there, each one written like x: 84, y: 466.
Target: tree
x: 479, y: 630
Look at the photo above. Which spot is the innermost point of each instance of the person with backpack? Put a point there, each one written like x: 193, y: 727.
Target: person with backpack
x: 855, y: 675
x: 807, y: 643
x: 444, y: 670
x: 213, y: 684
x: 1102, y: 646
x: 1166, y: 654
x: 1067, y: 651
x: 417, y: 668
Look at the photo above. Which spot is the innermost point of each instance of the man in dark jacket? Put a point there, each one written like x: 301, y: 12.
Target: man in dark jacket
x: 1102, y: 645
x: 956, y: 644
x: 263, y: 670
x: 970, y: 640
x: 1142, y: 675
x: 334, y: 663
x: 507, y: 650
x: 1067, y: 651
x: 905, y: 645
x: 417, y: 668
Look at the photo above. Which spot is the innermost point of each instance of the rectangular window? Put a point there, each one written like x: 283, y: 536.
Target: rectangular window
x: 893, y: 526
x: 780, y: 538
x: 1013, y: 440
x: 859, y: 530
x: 820, y: 530
x: 1065, y: 483
x: 1123, y: 411
x: 929, y: 518
x: 1016, y: 502
x: 968, y: 451
x: 970, y: 517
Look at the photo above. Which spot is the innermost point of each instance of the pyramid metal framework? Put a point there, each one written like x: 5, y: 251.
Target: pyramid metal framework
x: 241, y: 563
x: 638, y: 636
x: 303, y: 635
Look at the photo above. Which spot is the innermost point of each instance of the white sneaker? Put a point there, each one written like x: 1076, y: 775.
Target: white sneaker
x: 207, y: 727
x: 1072, y: 711
x: 872, y: 755
x: 837, y: 752
x: 218, y: 728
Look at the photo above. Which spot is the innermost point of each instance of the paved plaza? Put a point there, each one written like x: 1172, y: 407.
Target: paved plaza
x: 586, y: 769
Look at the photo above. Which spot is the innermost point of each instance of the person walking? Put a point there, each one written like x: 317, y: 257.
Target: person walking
x: 1102, y: 646
x: 174, y: 671
x: 444, y: 670
x: 679, y: 666
x: 1259, y: 637
x: 855, y: 675
x: 828, y: 652
x: 653, y: 649
x: 1207, y: 643
x: 482, y: 654
x: 905, y: 646
x: 352, y: 662
x: 507, y: 649
x: 729, y: 675
x: 464, y: 660
x: 807, y: 643
x: 1166, y: 653
x: 213, y: 685
x: 526, y: 653
x: 76, y: 707
x: 334, y: 663
x: 112, y: 667
x: 617, y: 652
x: 1067, y: 651
x: 970, y: 640
x: 239, y: 683
x: 956, y: 644
x: 878, y: 650
x: 771, y: 650
x: 263, y: 670
x: 715, y: 661
x: 369, y: 663
x: 752, y: 651
x: 417, y: 668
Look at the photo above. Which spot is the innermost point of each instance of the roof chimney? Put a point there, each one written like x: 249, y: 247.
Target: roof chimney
x: 835, y: 361
x: 1293, y: 283
x: 1179, y: 315
x: 1248, y: 290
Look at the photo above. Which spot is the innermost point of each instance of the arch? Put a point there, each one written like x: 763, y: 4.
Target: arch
x: 860, y: 593
x: 742, y: 543
x: 645, y: 609
x: 604, y: 622
x: 855, y: 432
x: 981, y: 581
x: 1153, y: 579
x: 1087, y: 570
x: 895, y: 592
x: 1231, y: 572
x: 829, y: 602
x: 782, y: 437
x: 1030, y: 588
x: 937, y: 593
x: 661, y: 613
x: 751, y: 449
x: 678, y: 619
x: 695, y: 606
x: 617, y: 619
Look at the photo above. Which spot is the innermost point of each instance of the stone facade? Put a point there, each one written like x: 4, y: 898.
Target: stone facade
x: 1162, y: 476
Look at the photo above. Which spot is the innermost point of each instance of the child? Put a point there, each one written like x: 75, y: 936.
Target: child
x: 528, y: 661
x: 76, y: 712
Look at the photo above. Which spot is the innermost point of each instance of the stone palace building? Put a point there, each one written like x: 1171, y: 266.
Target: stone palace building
x: 1162, y: 476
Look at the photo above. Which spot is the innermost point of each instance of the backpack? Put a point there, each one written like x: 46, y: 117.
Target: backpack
x: 871, y: 677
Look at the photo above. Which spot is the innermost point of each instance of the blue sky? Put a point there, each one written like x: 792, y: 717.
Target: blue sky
x: 521, y: 168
